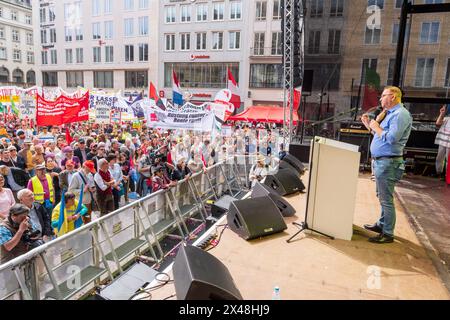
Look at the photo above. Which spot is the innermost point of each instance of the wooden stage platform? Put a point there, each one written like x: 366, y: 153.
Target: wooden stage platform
x: 314, y: 267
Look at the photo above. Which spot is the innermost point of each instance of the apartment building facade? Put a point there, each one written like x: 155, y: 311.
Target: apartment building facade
x: 103, y: 44
x: 17, y: 60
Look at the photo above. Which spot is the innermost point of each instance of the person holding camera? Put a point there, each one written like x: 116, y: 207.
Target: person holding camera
x: 259, y: 170
x: 18, y: 234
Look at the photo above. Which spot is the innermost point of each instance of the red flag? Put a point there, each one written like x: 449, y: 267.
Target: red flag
x: 68, y: 136
x: 153, y: 93
x: 233, y: 87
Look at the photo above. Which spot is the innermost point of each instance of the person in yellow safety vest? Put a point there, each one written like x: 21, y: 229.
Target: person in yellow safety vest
x: 42, y: 187
x: 67, y: 215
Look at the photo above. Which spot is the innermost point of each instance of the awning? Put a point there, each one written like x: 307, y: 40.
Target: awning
x: 271, y: 114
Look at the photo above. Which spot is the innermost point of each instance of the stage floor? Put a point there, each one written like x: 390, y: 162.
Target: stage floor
x: 314, y: 267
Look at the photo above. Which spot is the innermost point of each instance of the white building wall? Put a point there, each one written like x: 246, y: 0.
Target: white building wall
x: 24, y: 26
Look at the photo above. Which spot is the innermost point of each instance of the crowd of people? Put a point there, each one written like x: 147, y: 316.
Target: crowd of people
x: 52, y: 179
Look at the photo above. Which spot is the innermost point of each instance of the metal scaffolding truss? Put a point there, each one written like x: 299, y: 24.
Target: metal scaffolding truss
x: 293, y: 57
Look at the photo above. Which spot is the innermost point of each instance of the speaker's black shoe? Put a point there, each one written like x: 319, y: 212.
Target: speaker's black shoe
x: 373, y: 227
x: 382, y: 238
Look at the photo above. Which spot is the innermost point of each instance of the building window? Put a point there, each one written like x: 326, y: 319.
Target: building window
x: 2, y: 32
x: 398, y: 4
x: 3, y: 54
x: 185, y: 13
x: 234, y: 40
x: 337, y: 8
x: 28, y: 19
x: 31, y: 77
x: 104, y: 79
x: 15, y: 35
x: 108, y: 6
x: 50, y: 79
x: 80, y: 56
x: 378, y: 3
x: 170, y: 14
x: 17, y: 55
x: 43, y: 15
x: 235, y: 10
x: 433, y: 1
x: 97, y: 54
x: 109, y: 54
x: 69, y: 56
x: 128, y: 5
x: 261, y: 10
x: 143, y: 4
x: 185, y: 43
x: 316, y: 8
x: 447, y: 75
x: 128, y: 27
x: 334, y: 41
x: 424, y: 72
x: 143, y: 26
x: 79, y: 33
x: 368, y: 64
x: 395, y: 32
x: 14, y: 15
x: 29, y: 39
x: 109, y: 29
x: 201, y: 41
x: 96, y: 33
x: 129, y: 53
x: 74, y: 79
x: 44, y: 57
x: 43, y: 36
x: 218, y: 11
x: 30, y: 57
x: 53, y: 57
x: 143, y: 51
x: 277, y: 45
x: 200, y: 75
x: 18, y: 76
x: 68, y: 34
x: 136, y: 79
x: 277, y: 10
x: 96, y: 8
x: 266, y: 75
x: 202, y: 12
x: 372, y: 36
x: 258, y: 45
x: 429, y: 33
x: 52, y: 35
x: 390, y: 77
x: 314, y: 42
x: 51, y: 14
x: 170, y: 42
x: 217, y: 41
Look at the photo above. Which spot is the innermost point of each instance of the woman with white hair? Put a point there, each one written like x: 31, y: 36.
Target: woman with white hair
x: 104, y: 183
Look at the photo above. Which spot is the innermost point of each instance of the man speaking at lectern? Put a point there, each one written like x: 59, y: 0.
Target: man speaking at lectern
x: 390, y: 131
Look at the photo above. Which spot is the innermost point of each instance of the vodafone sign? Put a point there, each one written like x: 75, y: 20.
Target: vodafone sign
x: 194, y: 57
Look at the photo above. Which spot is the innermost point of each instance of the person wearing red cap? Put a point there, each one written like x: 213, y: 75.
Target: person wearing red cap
x: 83, y: 181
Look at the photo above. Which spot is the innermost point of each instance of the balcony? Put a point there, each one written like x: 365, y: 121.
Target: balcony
x: 266, y: 52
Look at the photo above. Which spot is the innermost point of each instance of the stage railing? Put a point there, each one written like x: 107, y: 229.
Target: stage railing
x: 72, y: 266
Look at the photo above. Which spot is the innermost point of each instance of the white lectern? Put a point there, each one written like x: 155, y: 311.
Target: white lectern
x: 334, y: 169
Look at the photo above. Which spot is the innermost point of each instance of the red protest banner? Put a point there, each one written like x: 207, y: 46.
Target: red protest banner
x: 62, y: 110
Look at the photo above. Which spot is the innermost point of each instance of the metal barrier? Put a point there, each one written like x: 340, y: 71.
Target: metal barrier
x: 71, y: 266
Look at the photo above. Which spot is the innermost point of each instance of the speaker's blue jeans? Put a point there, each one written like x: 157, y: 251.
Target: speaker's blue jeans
x: 387, y: 173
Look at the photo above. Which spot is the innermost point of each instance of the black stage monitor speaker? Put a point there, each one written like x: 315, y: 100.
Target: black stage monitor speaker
x: 294, y: 162
x: 285, y: 165
x: 300, y: 151
x: 284, y: 182
x: 198, y: 275
x: 255, y: 218
x: 261, y: 190
x: 221, y: 206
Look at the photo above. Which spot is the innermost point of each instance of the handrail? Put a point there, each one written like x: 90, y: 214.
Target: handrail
x: 224, y: 177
